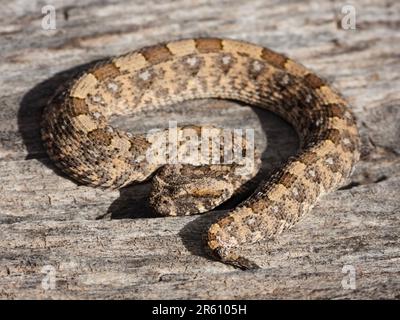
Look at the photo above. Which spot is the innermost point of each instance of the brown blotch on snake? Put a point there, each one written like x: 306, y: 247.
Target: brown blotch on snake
x: 106, y: 71
x: 76, y: 135
x: 208, y: 45
x: 156, y: 54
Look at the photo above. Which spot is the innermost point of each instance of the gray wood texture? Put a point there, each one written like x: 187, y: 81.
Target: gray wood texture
x: 107, y: 244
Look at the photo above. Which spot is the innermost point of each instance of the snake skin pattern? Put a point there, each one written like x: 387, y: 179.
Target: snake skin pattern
x: 78, y: 138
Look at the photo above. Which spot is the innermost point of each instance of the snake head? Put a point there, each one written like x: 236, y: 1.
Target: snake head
x: 187, y: 189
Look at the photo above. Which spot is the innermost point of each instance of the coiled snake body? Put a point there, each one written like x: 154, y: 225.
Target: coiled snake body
x: 80, y: 141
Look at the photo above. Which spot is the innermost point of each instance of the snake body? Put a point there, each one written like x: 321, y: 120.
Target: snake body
x: 78, y: 138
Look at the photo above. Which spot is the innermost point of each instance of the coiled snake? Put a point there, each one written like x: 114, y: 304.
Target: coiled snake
x: 80, y: 141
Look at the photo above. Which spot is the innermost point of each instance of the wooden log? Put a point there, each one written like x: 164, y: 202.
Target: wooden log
x: 107, y: 244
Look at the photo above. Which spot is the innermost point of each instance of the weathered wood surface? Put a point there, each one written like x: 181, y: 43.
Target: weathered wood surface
x: 48, y: 220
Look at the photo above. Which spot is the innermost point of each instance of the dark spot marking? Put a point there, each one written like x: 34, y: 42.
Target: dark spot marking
x: 156, y: 54
x: 340, y: 111
x: 101, y: 136
x: 273, y: 58
x: 138, y: 145
x: 308, y: 158
x: 106, y: 71
x: 79, y: 106
x: 208, y: 45
x: 333, y: 135
x: 287, y: 179
x: 313, y: 81
x: 243, y: 54
x: 336, y: 110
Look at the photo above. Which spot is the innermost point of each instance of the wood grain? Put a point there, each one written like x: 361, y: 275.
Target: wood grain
x: 46, y: 219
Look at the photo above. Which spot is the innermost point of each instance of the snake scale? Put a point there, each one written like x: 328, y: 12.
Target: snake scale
x: 78, y: 137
